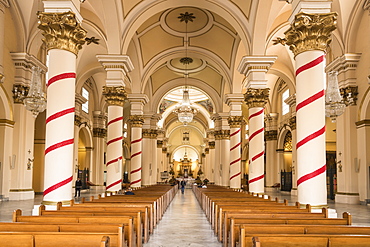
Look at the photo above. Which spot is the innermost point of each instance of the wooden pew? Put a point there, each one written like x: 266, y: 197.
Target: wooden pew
x: 295, y: 240
x: 225, y: 224
x: 55, y: 240
x: 235, y: 223
x: 138, y: 219
x: 126, y: 220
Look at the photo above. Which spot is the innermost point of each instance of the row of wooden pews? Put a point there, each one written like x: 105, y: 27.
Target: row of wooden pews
x: 107, y: 221
x: 243, y: 219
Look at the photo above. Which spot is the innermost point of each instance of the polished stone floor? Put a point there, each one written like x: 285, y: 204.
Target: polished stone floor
x: 184, y: 223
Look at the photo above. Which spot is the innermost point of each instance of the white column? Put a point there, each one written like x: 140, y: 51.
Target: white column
x: 99, y: 133
x: 308, y: 45
x: 61, y: 81
x: 147, y: 158
x: 363, y: 137
x: 255, y: 69
x: 217, y: 154
x: 272, y: 170
x: 348, y: 162
x: 6, y: 133
x: 212, y: 154
x: 225, y: 157
x: 136, y: 149
x: 3, y: 5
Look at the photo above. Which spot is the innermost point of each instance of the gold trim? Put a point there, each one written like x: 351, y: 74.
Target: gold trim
x: 7, y: 121
x: 255, y: 97
x: 115, y: 95
x: 20, y: 190
x: 61, y: 31
x: 51, y: 203
x: 136, y: 120
x: 310, y: 32
x: 365, y: 122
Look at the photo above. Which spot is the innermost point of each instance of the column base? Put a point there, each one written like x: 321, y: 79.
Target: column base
x: 349, y: 198
x: 294, y: 192
x: 21, y: 194
x: 35, y: 210
x: 332, y: 213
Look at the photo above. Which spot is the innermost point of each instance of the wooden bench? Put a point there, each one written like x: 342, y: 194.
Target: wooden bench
x: 235, y: 223
x: 55, y: 240
x: 129, y: 232
x: 294, y: 240
x: 225, y: 220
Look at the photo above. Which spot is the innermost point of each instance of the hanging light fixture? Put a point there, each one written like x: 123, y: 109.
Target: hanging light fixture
x: 186, y: 111
x: 334, y: 105
x: 35, y: 101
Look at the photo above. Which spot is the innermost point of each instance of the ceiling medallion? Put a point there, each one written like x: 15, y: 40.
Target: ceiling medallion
x: 186, y: 17
x: 186, y: 60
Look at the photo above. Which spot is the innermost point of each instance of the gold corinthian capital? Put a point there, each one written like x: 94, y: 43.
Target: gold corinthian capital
x: 114, y: 95
x: 61, y: 31
x: 255, y: 97
x: 235, y: 121
x: 310, y: 32
x: 136, y: 120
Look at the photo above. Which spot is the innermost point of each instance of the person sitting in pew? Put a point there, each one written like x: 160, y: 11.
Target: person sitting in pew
x: 129, y: 191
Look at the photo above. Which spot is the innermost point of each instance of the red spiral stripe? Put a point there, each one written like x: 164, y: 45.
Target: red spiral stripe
x: 135, y: 141
x: 136, y: 181
x: 255, y: 133
x: 112, y: 161
x: 237, y: 145
x: 114, y: 140
x: 135, y: 154
x: 256, y: 113
x: 236, y: 132
x: 256, y: 179
x: 134, y: 171
x: 113, y: 184
x: 310, y: 64
x: 311, y: 99
x: 311, y: 175
x: 60, y: 77
x: 58, y: 185
x: 232, y: 163
x: 114, y: 120
x: 258, y: 155
x: 60, y: 114
x: 235, y: 175
x: 59, y: 145
x: 310, y: 137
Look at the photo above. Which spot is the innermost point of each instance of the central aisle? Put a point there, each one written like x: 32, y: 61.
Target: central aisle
x: 183, y: 224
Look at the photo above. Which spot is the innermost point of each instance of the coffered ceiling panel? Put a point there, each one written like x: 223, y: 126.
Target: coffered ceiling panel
x: 211, y: 77
x: 156, y: 40
x: 244, y: 6
x: 162, y: 76
x: 211, y: 41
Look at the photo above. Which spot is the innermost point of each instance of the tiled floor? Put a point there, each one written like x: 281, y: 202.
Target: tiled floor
x: 184, y: 223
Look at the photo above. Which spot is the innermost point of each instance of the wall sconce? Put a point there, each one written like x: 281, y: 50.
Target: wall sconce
x: 29, y: 164
x: 340, y: 166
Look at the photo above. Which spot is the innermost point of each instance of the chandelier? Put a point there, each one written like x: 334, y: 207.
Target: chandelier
x: 186, y: 111
x: 35, y: 101
x: 334, y: 105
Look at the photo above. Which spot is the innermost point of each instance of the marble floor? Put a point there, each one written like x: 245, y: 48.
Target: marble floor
x: 184, y: 223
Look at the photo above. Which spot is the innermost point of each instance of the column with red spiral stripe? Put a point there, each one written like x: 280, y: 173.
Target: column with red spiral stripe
x: 308, y: 38
x: 115, y: 97
x: 64, y: 37
x: 256, y: 100
x: 235, y: 154
x: 137, y: 122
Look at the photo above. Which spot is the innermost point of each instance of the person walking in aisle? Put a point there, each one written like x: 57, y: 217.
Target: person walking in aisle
x: 78, y: 186
x: 182, y: 184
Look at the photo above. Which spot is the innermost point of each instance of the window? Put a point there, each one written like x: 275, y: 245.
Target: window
x: 285, y: 106
x: 85, y: 106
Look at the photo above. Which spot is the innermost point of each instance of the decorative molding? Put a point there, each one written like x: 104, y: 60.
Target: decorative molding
x: 136, y: 120
x: 159, y: 143
x: 271, y: 135
x: 149, y: 133
x: 5, y: 3
x: 255, y: 97
x: 366, y: 5
x: 293, y: 123
x: 61, y: 31
x: 19, y: 92
x: 363, y: 123
x: 349, y: 95
x: 99, y: 132
x: 78, y: 120
x: 115, y: 95
x: 7, y: 122
x: 222, y: 134
x: 235, y: 121
x: 309, y: 32
x: 212, y: 145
